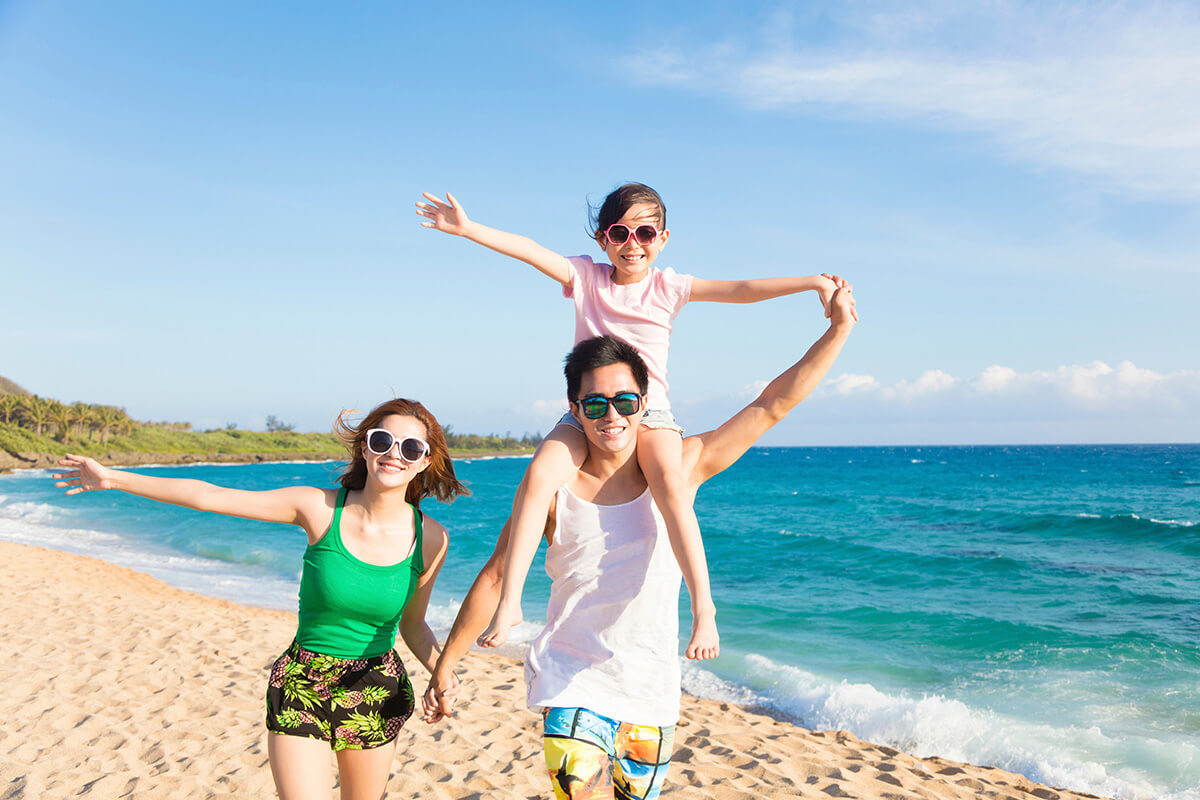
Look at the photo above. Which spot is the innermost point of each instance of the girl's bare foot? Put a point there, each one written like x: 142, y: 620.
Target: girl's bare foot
x: 497, y: 632
x: 705, y: 642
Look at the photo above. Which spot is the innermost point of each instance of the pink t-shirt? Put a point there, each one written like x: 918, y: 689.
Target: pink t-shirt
x: 640, y: 313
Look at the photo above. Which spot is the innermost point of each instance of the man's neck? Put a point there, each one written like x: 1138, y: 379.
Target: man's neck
x: 609, y: 478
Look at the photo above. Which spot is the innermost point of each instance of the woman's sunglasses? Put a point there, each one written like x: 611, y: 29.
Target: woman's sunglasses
x: 619, y: 233
x: 380, y: 441
x: 596, y: 407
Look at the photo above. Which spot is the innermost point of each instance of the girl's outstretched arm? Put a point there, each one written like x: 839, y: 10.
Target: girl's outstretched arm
x: 295, y: 505
x: 752, y: 291
x: 449, y: 217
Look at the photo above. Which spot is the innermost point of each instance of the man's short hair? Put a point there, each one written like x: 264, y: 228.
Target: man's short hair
x: 602, y: 351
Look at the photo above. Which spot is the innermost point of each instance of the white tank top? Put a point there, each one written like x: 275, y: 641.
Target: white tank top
x: 611, y: 641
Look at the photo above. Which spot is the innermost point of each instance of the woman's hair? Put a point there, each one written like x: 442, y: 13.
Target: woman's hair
x: 437, y: 479
x: 619, y: 201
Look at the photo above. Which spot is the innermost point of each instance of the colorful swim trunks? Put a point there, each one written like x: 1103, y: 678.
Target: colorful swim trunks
x: 354, y: 704
x: 591, y: 757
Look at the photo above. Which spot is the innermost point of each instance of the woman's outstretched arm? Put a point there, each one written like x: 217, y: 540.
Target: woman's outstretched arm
x: 295, y: 505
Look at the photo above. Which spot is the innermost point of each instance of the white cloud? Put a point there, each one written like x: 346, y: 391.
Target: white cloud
x: 932, y: 381
x: 851, y: 383
x: 994, y: 379
x: 1110, y: 90
x: 1097, y: 385
x: 1070, y: 388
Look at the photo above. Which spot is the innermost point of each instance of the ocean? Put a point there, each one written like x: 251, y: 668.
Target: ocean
x: 1033, y: 608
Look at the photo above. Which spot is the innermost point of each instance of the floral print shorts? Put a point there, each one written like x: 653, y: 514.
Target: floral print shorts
x: 352, y: 703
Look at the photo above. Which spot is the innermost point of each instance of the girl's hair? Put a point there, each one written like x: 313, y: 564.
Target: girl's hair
x: 437, y: 479
x: 619, y: 201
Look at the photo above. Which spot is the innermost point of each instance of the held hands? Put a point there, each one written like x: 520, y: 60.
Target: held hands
x: 447, y: 217
x: 438, y: 701
x: 842, y: 311
x: 87, y: 475
x: 826, y: 285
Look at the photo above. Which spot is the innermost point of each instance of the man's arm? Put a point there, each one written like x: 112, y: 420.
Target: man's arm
x: 709, y: 453
x: 476, y: 612
x: 473, y: 616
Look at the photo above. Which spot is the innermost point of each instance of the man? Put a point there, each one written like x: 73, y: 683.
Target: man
x: 605, y: 670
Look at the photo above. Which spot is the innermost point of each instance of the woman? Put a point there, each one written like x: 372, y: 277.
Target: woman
x: 369, y: 568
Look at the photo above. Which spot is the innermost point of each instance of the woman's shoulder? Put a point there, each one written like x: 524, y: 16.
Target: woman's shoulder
x: 435, y: 540
x: 432, y: 530
x: 316, y: 507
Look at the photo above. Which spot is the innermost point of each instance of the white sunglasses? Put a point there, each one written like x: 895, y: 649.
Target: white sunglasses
x: 380, y: 442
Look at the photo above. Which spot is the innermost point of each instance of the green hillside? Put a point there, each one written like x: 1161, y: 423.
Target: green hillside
x: 8, y: 387
x: 36, y: 431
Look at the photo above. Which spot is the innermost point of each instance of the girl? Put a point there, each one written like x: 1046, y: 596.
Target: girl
x: 371, y: 561
x: 628, y: 299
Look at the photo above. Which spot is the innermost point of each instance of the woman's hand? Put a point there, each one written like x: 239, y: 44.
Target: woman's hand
x: 87, y: 475
x: 447, y: 217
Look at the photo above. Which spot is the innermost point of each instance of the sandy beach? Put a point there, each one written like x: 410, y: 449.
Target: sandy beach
x: 122, y: 686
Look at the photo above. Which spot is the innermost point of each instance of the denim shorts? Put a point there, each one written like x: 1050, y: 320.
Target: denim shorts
x: 654, y: 419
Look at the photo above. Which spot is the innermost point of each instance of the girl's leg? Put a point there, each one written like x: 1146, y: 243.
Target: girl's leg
x: 660, y: 455
x: 300, y: 767
x: 364, y: 773
x: 558, y: 457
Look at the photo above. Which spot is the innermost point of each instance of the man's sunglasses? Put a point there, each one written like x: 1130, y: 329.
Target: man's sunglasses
x: 596, y: 407
x: 619, y: 233
x: 380, y: 441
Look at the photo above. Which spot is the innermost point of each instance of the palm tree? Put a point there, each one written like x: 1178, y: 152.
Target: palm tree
x: 64, y: 417
x: 107, y: 418
x: 85, y: 418
x: 9, y: 403
x: 125, y: 423
x: 36, y: 411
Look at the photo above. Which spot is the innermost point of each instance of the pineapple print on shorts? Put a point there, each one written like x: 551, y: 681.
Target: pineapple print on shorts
x: 353, y: 704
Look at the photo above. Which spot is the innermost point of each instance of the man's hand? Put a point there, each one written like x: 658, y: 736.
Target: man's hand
x: 842, y: 309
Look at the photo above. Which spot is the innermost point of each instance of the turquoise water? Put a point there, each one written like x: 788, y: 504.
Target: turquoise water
x: 1035, y: 608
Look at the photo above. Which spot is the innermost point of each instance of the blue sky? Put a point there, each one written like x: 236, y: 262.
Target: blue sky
x: 206, y: 208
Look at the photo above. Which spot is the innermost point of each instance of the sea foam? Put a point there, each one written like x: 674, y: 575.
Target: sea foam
x: 27, y: 523
x: 934, y: 725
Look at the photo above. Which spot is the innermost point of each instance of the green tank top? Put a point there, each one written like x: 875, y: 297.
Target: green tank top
x: 349, y: 608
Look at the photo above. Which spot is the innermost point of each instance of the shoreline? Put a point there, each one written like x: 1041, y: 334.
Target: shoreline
x: 109, y: 711
x: 13, y: 462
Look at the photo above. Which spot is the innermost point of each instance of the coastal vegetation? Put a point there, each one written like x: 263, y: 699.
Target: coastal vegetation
x: 35, y: 431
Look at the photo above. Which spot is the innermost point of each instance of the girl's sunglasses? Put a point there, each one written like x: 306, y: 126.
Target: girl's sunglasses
x: 619, y: 233
x: 380, y: 441
x: 626, y: 404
